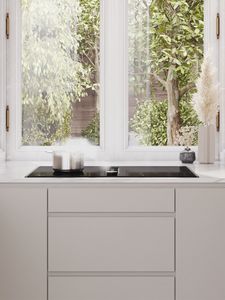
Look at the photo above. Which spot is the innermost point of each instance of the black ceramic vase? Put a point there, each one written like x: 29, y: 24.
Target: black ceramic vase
x: 187, y: 156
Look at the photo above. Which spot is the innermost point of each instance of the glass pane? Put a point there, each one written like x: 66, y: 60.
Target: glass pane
x: 60, y: 71
x: 165, y: 54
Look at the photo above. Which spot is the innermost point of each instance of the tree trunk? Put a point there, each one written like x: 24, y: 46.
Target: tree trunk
x: 173, y: 118
x: 174, y: 94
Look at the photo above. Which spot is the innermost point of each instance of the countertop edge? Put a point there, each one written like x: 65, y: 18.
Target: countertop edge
x: 15, y: 172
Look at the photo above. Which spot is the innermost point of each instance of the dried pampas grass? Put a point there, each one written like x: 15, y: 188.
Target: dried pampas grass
x: 205, y: 100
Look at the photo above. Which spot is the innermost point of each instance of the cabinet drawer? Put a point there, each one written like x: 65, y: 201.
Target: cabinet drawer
x: 111, y: 199
x: 111, y: 243
x: 111, y: 288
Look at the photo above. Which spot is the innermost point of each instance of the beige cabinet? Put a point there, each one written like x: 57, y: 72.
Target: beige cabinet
x: 200, y: 240
x: 111, y: 288
x: 102, y: 243
x: 114, y: 242
x: 111, y: 242
x: 111, y: 198
x: 23, y: 243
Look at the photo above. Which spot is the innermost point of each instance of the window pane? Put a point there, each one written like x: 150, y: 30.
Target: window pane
x: 165, y: 54
x: 60, y: 70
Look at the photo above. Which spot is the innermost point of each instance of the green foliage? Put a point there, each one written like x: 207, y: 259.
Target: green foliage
x: 150, y: 121
x: 187, y: 113
x: 89, y: 31
x: 60, y: 62
x: 177, y: 29
x: 46, y: 130
x: 55, y: 32
x: 163, y: 36
x: 92, y: 132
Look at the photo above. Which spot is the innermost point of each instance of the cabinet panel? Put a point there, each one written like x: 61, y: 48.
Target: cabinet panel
x: 111, y: 243
x: 200, y: 244
x: 23, y: 247
x: 111, y: 288
x: 111, y: 199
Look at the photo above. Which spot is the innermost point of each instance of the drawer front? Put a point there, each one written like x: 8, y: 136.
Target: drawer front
x: 111, y: 199
x: 111, y: 244
x: 111, y: 288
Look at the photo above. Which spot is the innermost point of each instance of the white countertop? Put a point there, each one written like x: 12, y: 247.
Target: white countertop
x: 16, y: 172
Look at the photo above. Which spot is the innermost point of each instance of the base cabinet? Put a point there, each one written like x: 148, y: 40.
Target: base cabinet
x: 200, y: 244
x: 159, y: 248
x: 23, y: 243
x: 114, y: 243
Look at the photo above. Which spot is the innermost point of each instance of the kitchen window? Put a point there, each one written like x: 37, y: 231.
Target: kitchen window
x: 99, y: 70
x: 165, y: 52
x: 60, y: 70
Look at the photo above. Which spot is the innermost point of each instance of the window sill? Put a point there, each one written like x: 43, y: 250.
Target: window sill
x: 96, y: 153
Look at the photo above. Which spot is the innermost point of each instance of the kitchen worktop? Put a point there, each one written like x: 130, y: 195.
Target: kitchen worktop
x: 16, y: 172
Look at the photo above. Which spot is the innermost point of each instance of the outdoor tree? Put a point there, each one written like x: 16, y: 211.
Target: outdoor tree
x: 89, y: 45
x: 165, y: 46
x: 176, y: 48
x: 59, y: 57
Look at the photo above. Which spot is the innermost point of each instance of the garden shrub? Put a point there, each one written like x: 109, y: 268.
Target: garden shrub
x: 150, y: 121
x: 92, y: 131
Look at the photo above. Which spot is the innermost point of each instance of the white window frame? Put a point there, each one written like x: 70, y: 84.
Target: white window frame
x: 114, y: 86
x: 2, y: 80
x: 222, y: 81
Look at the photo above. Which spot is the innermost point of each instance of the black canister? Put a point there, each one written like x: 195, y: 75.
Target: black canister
x: 187, y: 156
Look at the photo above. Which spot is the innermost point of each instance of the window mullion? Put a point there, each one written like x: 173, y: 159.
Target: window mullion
x: 114, y: 78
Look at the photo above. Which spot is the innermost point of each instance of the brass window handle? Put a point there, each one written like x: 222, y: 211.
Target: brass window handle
x: 7, y: 25
x: 218, y: 26
x: 7, y: 118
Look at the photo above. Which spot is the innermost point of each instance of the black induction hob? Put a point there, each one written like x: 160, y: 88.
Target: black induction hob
x: 123, y: 171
